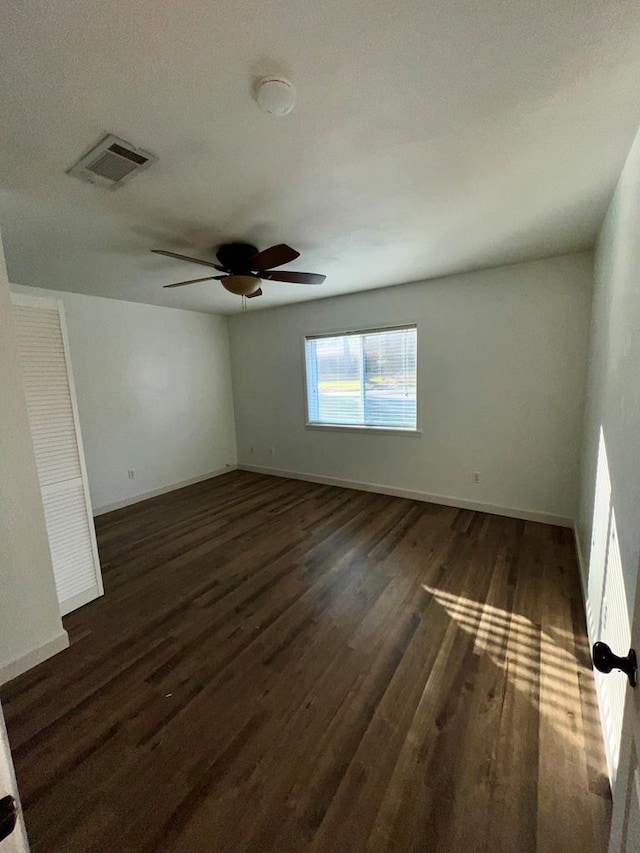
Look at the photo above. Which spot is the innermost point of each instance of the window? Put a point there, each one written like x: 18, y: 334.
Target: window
x: 365, y: 379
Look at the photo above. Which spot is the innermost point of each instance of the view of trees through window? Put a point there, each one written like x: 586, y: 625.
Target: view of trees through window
x: 364, y: 379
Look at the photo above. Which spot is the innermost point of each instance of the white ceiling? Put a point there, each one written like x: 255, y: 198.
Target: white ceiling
x: 428, y: 137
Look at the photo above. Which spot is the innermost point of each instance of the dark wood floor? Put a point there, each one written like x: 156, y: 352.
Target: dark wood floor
x: 282, y: 666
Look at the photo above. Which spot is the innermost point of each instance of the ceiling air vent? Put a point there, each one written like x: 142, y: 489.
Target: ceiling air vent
x: 111, y: 163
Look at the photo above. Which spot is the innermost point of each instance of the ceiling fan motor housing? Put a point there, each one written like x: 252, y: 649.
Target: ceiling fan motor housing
x: 236, y: 257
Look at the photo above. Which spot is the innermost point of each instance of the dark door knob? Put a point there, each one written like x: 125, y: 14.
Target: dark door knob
x: 8, y: 816
x: 604, y: 660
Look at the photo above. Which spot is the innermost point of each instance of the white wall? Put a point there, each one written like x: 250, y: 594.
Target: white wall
x: 608, y: 525
x: 154, y: 394
x: 613, y: 387
x: 501, y: 369
x: 30, y: 625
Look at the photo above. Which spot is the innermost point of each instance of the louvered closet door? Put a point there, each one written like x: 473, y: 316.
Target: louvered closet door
x: 57, y: 443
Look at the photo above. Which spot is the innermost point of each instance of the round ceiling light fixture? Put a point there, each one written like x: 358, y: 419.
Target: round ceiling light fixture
x: 241, y: 285
x: 276, y: 96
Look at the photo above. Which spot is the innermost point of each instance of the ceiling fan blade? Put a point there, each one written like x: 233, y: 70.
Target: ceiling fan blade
x: 187, y: 258
x: 195, y: 280
x: 257, y: 292
x: 274, y: 257
x: 293, y: 277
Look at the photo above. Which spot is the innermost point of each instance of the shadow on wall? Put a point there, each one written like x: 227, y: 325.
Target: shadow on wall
x: 607, y: 607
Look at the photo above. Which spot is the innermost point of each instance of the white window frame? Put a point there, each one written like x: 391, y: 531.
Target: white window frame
x: 356, y: 428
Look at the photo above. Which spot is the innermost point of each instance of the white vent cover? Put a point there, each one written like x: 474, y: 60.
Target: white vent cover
x: 111, y: 163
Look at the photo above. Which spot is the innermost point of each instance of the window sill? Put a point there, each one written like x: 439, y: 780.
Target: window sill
x: 361, y: 429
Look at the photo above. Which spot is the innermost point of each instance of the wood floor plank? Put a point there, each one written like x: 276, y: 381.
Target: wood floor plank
x: 285, y: 666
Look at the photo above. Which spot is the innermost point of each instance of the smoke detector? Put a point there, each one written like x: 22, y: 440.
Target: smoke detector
x: 111, y: 163
x: 276, y: 96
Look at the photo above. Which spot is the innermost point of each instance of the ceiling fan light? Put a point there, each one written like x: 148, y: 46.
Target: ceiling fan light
x: 241, y: 285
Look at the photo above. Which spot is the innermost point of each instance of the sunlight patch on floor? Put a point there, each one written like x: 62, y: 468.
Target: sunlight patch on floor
x: 535, y: 663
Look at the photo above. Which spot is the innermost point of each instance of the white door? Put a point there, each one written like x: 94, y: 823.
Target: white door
x: 17, y: 841
x: 612, y: 619
x: 55, y: 430
x: 625, y: 825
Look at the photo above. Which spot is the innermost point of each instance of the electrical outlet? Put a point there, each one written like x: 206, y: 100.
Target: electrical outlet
x: 131, y: 474
x: 272, y: 451
x: 475, y: 476
x: 251, y: 450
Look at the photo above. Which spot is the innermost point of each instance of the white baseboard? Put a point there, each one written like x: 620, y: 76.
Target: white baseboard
x: 143, y: 496
x: 14, y: 668
x: 79, y: 600
x: 445, y: 500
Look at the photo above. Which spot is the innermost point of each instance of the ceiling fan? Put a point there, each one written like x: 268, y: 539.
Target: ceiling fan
x: 245, y: 268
